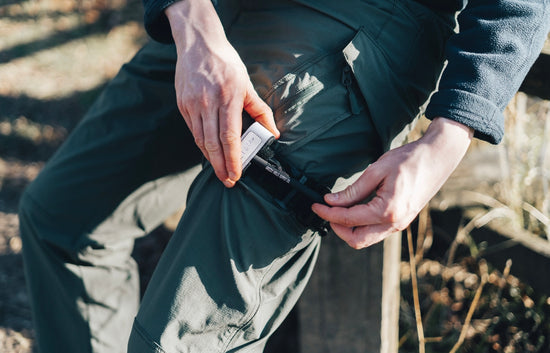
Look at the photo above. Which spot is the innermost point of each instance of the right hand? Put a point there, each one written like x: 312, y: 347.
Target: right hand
x: 213, y: 87
x: 403, y: 180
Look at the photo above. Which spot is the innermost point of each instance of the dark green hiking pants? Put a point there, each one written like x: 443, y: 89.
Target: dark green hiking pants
x: 237, y: 262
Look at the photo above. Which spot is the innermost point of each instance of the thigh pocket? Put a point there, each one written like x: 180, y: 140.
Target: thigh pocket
x: 395, y: 80
x: 312, y: 99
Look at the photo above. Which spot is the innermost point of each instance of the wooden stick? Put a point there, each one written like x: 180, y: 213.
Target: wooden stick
x: 471, y: 311
x: 418, y: 315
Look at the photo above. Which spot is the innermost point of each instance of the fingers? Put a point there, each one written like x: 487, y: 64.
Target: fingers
x: 260, y: 111
x: 359, y: 226
x: 362, y: 237
x: 227, y: 153
x: 213, y: 148
x: 210, y: 135
x: 358, y: 191
x: 230, y: 118
x: 217, y: 134
x: 373, y: 212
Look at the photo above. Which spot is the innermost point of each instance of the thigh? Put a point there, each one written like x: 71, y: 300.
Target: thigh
x: 296, y: 62
x: 131, y: 135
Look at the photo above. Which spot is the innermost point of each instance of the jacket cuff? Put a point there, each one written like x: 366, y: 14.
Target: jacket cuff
x: 469, y: 109
x: 155, y: 20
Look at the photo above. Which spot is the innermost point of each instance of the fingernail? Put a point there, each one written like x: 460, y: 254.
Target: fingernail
x: 233, y: 176
x: 315, y: 208
x: 228, y: 183
x: 333, y: 197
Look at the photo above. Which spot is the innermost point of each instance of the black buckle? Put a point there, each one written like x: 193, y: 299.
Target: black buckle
x: 290, y: 188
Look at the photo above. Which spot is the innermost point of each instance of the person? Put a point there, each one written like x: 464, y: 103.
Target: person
x: 335, y: 82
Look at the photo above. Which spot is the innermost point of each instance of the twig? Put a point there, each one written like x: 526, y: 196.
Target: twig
x: 472, y: 309
x: 404, y: 339
x: 424, y: 238
x: 541, y: 217
x: 412, y: 262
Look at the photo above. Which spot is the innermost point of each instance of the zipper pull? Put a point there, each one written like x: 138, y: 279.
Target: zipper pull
x: 347, y: 80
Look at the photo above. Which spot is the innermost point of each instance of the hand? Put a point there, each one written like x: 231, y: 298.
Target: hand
x: 403, y: 180
x: 213, y: 87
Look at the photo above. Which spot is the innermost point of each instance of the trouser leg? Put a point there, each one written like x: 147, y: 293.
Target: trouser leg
x: 238, y: 261
x: 119, y: 175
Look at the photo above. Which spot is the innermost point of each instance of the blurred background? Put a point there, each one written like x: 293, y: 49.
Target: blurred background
x: 481, y: 248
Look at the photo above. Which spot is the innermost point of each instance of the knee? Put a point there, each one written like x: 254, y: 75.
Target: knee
x: 39, y: 205
x: 40, y: 231
x: 36, y: 223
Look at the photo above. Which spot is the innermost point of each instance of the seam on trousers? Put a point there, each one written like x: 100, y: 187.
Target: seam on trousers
x: 146, y: 337
x: 253, y: 312
x: 259, y: 296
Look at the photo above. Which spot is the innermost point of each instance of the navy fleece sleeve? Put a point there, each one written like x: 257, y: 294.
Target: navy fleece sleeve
x: 155, y: 21
x: 497, y: 42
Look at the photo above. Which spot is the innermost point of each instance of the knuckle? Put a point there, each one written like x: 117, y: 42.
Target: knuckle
x: 356, y: 244
x: 202, y: 101
x: 390, y: 216
x: 211, y: 146
x: 350, y: 192
x: 398, y: 219
x: 347, y: 221
x: 181, y: 107
x: 228, y: 137
x: 225, y: 94
x: 398, y: 222
x: 199, y: 141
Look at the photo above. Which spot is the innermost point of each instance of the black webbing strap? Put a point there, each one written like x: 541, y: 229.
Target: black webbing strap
x: 290, y: 188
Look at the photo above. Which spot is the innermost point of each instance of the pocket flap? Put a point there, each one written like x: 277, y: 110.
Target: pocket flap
x: 390, y: 96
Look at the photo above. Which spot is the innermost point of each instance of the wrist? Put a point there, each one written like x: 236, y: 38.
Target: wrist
x: 194, y: 20
x: 448, y: 130
x: 448, y: 140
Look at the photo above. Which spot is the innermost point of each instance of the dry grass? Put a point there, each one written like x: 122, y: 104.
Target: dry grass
x: 525, y: 163
x: 465, y: 304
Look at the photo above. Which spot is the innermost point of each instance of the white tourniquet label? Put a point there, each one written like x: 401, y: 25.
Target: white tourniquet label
x: 252, y: 141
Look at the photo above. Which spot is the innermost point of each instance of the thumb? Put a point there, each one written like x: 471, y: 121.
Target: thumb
x: 260, y: 111
x: 357, y: 192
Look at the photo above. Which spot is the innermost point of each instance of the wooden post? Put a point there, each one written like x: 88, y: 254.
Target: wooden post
x: 351, y: 304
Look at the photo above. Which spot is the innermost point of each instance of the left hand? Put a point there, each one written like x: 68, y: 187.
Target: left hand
x: 403, y: 180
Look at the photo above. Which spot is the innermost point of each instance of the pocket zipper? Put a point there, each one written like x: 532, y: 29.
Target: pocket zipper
x: 347, y: 80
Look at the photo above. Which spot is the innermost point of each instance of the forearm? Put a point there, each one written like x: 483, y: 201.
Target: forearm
x: 449, y: 138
